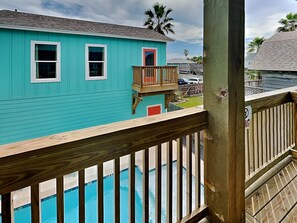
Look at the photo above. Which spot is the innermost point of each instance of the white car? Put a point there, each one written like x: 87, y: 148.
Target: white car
x: 196, y: 80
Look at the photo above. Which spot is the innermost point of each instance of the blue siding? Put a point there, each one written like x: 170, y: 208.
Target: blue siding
x: 29, y: 110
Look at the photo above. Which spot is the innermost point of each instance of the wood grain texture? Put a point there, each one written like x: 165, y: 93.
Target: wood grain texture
x: 38, y: 160
x: 169, y: 184
x: 7, y: 210
x: 197, y: 170
x: 262, y: 196
x: 60, y: 199
x: 270, y: 99
x: 189, y: 175
x: 145, y: 186
x: 224, y: 100
x: 81, y: 196
x: 158, y: 183
x: 100, y: 191
x: 280, y: 205
x: 116, y: 186
x: 197, y: 215
x: 179, y: 177
x: 132, y: 188
x: 35, y: 204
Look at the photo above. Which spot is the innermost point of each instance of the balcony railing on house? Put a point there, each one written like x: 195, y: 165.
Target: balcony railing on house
x: 150, y: 143
x: 153, y: 79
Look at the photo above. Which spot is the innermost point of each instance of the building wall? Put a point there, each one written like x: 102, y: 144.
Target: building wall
x: 29, y: 110
x: 277, y: 80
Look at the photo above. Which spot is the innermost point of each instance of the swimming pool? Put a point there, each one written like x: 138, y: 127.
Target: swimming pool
x: 48, y: 205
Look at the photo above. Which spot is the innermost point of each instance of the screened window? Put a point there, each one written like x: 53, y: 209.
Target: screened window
x: 96, y: 62
x: 45, y: 61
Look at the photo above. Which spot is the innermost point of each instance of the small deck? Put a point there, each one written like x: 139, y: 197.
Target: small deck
x: 154, y: 79
x: 276, y: 199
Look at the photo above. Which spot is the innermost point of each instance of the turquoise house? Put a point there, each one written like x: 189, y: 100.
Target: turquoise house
x: 61, y: 74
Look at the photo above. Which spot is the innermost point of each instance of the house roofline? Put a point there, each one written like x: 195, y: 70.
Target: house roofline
x: 79, y: 33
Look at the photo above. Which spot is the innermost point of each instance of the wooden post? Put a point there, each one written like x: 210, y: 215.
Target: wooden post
x: 224, y: 100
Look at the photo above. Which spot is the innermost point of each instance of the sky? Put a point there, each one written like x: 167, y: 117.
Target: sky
x: 262, y: 16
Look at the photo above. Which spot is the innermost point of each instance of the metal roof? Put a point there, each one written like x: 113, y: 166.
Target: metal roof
x: 277, y: 53
x: 34, y: 22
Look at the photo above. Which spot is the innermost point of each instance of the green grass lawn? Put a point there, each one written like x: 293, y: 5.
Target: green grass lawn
x: 192, y: 102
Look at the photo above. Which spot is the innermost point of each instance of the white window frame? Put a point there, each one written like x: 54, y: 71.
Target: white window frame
x: 87, y: 75
x: 34, y: 78
x: 149, y: 106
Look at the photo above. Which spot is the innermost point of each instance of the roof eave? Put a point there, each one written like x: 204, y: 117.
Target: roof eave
x: 81, y: 33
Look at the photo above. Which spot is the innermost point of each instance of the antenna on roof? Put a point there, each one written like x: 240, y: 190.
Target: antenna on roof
x: 15, y: 10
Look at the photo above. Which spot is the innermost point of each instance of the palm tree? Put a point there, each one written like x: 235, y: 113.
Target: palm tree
x: 186, y: 52
x: 158, y: 20
x: 289, y: 23
x: 255, y: 44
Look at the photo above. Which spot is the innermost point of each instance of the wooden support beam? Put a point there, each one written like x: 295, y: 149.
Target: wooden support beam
x: 135, y: 101
x: 224, y: 100
x: 168, y: 98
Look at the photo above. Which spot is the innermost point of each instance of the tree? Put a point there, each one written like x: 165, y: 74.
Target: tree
x: 186, y: 52
x: 255, y: 44
x: 289, y: 23
x: 158, y: 20
x: 198, y: 59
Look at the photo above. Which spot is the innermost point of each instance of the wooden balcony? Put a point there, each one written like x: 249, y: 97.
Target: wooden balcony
x: 154, y: 79
x: 270, y: 166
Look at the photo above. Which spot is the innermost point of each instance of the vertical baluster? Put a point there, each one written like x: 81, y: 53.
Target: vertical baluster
x: 132, y: 188
x: 251, y: 145
x: 268, y: 139
x: 246, y: 139
x: 60, y: 199
x: 145, y: 186
x: 256, y: 146
x: 179, y: 193
x: 35, y: 203
x: 7, y: 208
x: 263, y: 136
x: 197, y: 170
x: 260, y: 139
x: 275, y: 131
x: 169, y: 183
x: 100, y: 193
x: 158, y: 182
x: 189, y: 175
x: 81, y: 192
x: 117, y: 190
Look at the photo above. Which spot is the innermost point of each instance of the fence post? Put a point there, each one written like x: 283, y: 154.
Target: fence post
x: 224, y: 101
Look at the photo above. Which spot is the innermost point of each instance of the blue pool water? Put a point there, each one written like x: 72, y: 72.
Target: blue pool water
x: 48, y: 205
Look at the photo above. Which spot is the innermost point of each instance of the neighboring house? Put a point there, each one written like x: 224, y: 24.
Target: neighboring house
x: 182, y: 64
x: 196, y: 68
x: 249, y: 58
x: 61, y: 74
x: 276, y: 59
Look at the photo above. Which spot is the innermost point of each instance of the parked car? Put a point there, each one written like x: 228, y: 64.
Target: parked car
x: 182, y: 81
x: 196, y: 80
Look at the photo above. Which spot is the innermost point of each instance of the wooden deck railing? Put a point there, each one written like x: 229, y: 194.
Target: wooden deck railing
x: 271, y: 135
x: 29, y: 163
x: 154, y: 75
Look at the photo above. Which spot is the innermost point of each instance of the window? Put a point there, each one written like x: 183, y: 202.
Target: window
x: 96, y: 68
x: 45, y: 62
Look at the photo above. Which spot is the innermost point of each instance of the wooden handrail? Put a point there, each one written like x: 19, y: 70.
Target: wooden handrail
x: 29, y: 162
x: 270, y: 136
x: 148, y: 76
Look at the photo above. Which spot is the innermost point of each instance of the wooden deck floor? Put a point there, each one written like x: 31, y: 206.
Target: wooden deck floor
x: 275, y: 200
